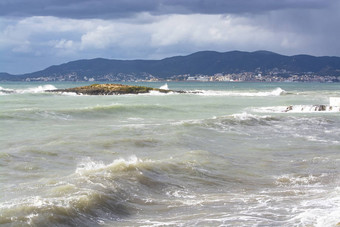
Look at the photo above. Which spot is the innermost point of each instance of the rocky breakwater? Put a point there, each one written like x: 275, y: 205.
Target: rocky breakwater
x: 334, y: 106
x: 312, y: 108
x: 113, y: 89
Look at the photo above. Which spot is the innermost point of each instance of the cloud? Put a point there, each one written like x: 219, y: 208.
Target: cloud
x: 58, y: 31
x: 107, y: 9
x: 69, y: 39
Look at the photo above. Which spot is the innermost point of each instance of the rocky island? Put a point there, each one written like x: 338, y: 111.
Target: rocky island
x: 112, y: 89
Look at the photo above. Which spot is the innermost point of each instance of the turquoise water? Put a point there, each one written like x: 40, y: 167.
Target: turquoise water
x: 228, y: 156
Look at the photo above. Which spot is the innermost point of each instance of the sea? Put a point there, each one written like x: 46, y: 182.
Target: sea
x: 228, y: 154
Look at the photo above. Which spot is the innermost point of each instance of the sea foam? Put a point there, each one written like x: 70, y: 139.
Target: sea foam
x: 276, y: 92
x: 164, y: 87
x: 6, y: 91
x: 88, y: 166
x: 296, y: 109
x: 38, y: 89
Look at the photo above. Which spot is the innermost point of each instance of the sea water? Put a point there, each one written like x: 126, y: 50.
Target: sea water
x: 226, y: 156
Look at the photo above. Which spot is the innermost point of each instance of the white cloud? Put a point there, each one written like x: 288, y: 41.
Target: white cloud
x: 49, y: 34
x: 199, y: 31
x: 64, y: 44
x: 150, y: 36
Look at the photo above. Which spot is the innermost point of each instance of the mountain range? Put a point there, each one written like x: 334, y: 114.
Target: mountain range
x: 199, y: 63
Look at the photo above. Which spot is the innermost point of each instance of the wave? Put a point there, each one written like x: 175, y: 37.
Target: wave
x: 98, y: 193
x: 320, y: 211
x: 319, y: 206
x: 42, y: 88
x: 130, y: 190
x: 247, y: 116
x: 95, y: 192
x: 38, y: 89
x: 298, y: 109
x: 250, y: 119
x: 155, y: 93
x: 125, y: 110
x: 89, y: 112
x: 297, y: 180
x: 164, y: 87
x: 234, y: 120
x: 6, y: 91
x: 276, y: 92
x: 35, y: 114
x: 316, y: 129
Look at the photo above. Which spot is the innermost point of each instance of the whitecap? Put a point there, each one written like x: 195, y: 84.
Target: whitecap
x: 5, y: 91
x: 276, y: 92
x: 296, y: 180
x: 38, y: 89
x: 321, y: 211
x: 247, y: 116
x: 297, y: 109
x: 154, y: 93
x: 270, y: 109
x: 88, y: 166
x: 164, y: 87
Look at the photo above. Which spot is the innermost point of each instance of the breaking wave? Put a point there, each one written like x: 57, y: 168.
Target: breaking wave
x: 38, y: 89
x: 6, y: 91
x: 276, y: 92
x: 298, y: 180
x: 98, y: 193
x: 298, y: 109
x: 129, y: 190
x: 165, y: 87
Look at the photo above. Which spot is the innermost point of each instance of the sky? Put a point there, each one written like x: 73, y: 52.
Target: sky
x: 35, y: 34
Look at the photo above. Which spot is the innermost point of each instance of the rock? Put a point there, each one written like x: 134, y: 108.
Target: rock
x: 311, y: 108
x: 289, y: 108
x: 112, y: 89
x: 321, y: 108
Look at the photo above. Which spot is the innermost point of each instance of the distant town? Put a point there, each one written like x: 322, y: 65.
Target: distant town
x: 218, y: 77
x: 203, y: 66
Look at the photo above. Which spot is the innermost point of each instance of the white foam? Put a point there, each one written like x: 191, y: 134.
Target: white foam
x: 312, y: 108
x: 88, y: 166
x: 153, y: 93
x: 270, y: 109
x: 164, y: 87
x: 334, y: 101
x: 70, y: 94
x: 296, y: 109
x: 5, y: 91
x: 276, y: 92
x: 38, y: 89
x: 291, y: 180
x: 247, y: 116
x: 135, y: 119
x: 321, y: 211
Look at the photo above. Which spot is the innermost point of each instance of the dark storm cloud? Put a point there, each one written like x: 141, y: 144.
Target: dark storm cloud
x: 106, y: 9
x: 238, y: 6
x: 75, y: 8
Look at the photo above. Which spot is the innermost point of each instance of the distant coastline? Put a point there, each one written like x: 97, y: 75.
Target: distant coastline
x: 233, y: 66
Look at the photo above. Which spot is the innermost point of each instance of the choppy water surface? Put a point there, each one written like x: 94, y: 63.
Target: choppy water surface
x: 228, y: 156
